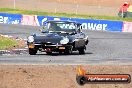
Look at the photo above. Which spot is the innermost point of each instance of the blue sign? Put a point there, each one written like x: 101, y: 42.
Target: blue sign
x: 42, y: 19
x: 89, y: 24
x: 101, y: 24
x: 34, y: 20
x: 10, y: 18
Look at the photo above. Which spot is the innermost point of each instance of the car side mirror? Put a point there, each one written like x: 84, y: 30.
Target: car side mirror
x: 40, y: 30
x: 44, y: 27
x: 80, y: 27
x: 80, y: 31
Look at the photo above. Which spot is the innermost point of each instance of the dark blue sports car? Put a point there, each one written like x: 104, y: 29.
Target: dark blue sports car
x: 58, y: 36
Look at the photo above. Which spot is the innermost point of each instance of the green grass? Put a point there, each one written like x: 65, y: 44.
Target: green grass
x: 19, y: 11
x: 7, y: 43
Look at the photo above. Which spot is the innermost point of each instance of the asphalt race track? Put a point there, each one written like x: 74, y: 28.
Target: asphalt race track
x: 104, y: 48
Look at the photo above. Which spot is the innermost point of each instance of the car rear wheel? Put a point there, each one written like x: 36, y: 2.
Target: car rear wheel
x: 82, y: 50
x: 60, y: 52
x: 49, y: 53
x: 32, y: 51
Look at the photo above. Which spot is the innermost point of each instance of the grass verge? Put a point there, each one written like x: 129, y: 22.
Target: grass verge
x: 19, y: 11
x: 7, y: 43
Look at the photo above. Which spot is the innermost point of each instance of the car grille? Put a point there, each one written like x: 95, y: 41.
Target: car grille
x: 48, y: 44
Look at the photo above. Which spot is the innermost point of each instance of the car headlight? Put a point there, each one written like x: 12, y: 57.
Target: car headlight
x: 64, y: 41
x: 30, y: 39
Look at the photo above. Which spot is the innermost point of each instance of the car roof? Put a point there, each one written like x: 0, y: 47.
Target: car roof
x: 66, y: 21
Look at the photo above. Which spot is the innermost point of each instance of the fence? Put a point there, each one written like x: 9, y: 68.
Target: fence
x: 91, y: 7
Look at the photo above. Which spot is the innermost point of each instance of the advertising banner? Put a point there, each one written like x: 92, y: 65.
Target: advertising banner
x: 100, y: 24
x: 89, y: 24
x: 42, y: 19
x: 127, y: 27
x: 10, y: 18
x: 29, y: 20
x: 35, y: 20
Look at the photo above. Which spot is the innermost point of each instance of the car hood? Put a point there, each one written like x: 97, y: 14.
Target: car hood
x: 53, y: 38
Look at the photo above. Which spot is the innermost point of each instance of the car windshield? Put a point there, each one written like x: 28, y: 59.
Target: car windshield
x: 61, y: 26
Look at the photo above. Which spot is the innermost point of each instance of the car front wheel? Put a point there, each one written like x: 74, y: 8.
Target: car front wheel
x: 68, y: 51
x: 81, y: 80
x: 32, y: 51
